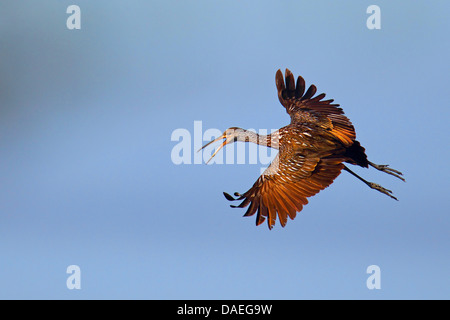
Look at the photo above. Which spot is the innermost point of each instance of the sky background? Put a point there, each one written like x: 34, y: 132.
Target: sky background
x: 86, y: 118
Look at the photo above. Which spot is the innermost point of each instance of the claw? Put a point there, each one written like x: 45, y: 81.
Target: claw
x: 382, y: 190
x: 385, y: 168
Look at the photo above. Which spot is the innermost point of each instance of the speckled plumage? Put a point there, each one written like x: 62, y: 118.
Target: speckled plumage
x: 312, y: 152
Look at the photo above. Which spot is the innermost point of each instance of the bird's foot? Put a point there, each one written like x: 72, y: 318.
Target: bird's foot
x: 381, y: 189
x: 385, y: 168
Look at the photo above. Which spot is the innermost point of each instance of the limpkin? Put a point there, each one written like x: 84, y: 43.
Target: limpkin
x: 312, y: 151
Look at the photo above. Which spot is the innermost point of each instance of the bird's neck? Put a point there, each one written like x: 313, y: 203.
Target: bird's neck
x: 270, y: 140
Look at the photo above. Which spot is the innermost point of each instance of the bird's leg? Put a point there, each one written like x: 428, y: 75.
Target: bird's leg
x: 385, y: 168
x: 372, y: 185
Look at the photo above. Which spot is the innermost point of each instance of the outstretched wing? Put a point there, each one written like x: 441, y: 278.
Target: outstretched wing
x: 303, y: 107
x: 286, y: 184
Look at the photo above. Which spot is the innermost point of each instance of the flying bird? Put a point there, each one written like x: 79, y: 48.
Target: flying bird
x: 312, y: 151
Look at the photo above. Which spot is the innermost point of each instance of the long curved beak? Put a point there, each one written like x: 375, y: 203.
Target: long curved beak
x: 223, y: 136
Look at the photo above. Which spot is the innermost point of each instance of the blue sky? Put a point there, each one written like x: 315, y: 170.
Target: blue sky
x: 85, y: 139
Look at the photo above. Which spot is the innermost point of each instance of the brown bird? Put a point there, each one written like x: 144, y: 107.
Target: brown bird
x: 312, y: 151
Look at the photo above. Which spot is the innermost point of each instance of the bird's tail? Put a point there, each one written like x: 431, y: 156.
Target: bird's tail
x: 357, y: 155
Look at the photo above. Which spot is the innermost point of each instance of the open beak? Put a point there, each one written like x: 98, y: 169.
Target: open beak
x: 223, y: 136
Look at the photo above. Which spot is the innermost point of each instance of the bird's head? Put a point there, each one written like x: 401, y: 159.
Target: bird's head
x: 230, y: 135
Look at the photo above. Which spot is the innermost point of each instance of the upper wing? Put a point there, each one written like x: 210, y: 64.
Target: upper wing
x: 302, y: 107
x: 286, y: 184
